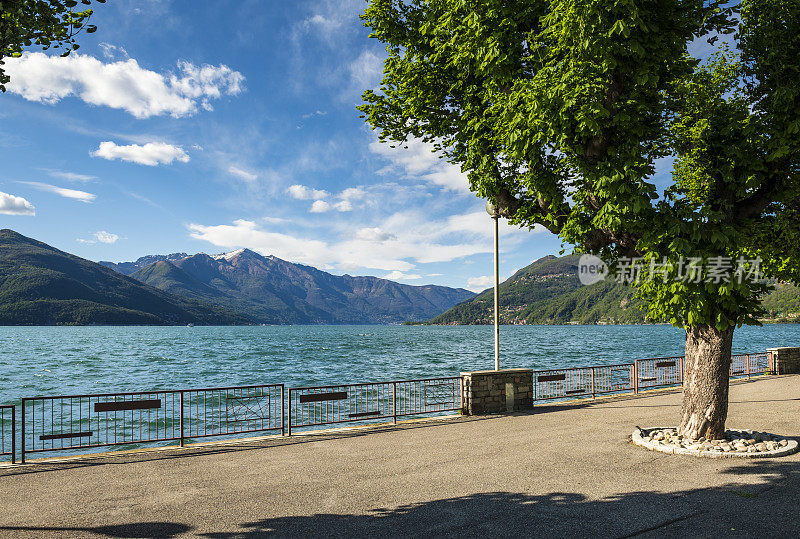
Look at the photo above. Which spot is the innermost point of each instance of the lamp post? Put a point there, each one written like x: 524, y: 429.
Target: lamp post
x: 493, y: 211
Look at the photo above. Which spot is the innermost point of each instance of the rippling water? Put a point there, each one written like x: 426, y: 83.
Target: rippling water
x: 69, y: 360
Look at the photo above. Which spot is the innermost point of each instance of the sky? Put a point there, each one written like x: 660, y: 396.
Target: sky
x: 184, y: 126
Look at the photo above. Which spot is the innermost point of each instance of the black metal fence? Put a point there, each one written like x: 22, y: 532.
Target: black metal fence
x: 346, y: 403
x: 642, y: 374
x: 75, y: 422
x: 8, y: 432
x: 67, y: 422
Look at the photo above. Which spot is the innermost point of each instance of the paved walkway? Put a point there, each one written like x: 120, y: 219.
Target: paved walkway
x: 567, y: 472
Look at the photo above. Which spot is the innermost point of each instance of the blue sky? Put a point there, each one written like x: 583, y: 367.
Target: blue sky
x: 209, y: 126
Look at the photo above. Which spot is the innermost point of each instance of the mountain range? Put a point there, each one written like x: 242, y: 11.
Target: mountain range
x: 548, y: 291
x: 274, y: 291
x: 40, y: 285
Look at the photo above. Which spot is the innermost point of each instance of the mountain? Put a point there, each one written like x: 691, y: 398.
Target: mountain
x: 274, y: 291
x: 40, y: 285
x: 548, y: 292
x: 126, y: 268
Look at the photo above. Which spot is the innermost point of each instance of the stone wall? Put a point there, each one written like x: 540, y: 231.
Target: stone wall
x: 491, y: 392
x: 784, y: 360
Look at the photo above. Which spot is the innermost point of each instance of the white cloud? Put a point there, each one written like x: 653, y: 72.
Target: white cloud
x: 352, y: 193
x: 374, y: 234
x: 122, y: 84
x: 301, y: 192
x: 71, y: 176
x: 419, y: 161
x: 274, y: 220
x: 150, y: 154
x: 242, y: 174
x: 320, y: 206
x: 312, y: 114
x: 400, y: 276
x: 479, y: 223
x: 112, y: 51
x: 247, y: 233
x: 365, y: 71
x: 105, y: 237
x: 100, y: 236
x: 400, y: 242
x: 479, y: 284
x: 14, y: 205
x: 81, y: 196
x: 345, y: 202
x: 329, y: 20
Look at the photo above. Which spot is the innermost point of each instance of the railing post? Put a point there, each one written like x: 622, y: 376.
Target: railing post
x: 748, y: 366
x: 593, y: 395
x: 394, y: 402
x: 289, y: 412
x: 13, y: 434
x: 22, y: 433
x: 181, y: 416
x: 635, y: 376
x: 283, y: 419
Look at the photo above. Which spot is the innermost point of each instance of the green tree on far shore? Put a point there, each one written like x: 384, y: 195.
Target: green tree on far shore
x: 558, y: 110
x: 43, y: 23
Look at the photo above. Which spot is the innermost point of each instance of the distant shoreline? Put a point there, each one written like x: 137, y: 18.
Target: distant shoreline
x: 765, y: 322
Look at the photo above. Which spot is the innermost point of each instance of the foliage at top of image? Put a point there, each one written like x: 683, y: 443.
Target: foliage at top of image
x: 49, y: 24
x: 559, y: 110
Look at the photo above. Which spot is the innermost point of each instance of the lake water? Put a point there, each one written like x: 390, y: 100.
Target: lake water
x: 69, y: 360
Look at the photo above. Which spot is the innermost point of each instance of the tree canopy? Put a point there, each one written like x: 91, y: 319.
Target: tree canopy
x: 560, y: 111
x: 44, y: 23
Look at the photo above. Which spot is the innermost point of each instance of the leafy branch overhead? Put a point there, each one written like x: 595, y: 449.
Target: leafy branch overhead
x: 49, y: 24
x: 560, y: 109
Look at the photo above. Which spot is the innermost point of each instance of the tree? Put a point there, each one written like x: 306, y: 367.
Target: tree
x: 46, y: 23
x: 558, y: 111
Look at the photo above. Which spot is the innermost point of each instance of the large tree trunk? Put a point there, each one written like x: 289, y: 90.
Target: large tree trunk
x: 705, y: 382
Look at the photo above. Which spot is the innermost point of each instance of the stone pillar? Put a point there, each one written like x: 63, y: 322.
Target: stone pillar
x: 784, y: 360
x: 491, y: 392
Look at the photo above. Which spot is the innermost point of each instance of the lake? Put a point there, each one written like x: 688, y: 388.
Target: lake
x: 68, y: 360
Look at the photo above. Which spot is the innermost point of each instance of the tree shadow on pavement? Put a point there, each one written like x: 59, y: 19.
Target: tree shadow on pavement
x: 760, y: 501
x: 134, y: 530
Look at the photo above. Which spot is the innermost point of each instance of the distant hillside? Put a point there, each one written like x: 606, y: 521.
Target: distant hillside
x: 40, y: 285
x: 274, y: 291
x: 548, y: 292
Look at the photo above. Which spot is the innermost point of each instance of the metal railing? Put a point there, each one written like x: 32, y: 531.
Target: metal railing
x: 73, y: 422
x: 582, y: 381
x: 642, y: 374
x: 65, y: 422
x: 8, y: 432
x: 659, y: 372
x: 348, y: 403
x: 748, y: 364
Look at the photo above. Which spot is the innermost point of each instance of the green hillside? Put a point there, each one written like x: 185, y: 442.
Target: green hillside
x: 40, y: 285
x: 549, y: 292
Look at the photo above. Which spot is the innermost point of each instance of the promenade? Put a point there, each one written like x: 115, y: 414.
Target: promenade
x: 562, y: 470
